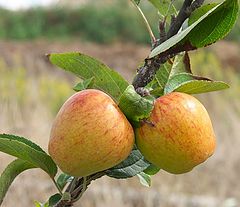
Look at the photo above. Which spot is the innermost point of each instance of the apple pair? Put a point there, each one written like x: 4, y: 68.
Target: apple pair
x: 91, y: 134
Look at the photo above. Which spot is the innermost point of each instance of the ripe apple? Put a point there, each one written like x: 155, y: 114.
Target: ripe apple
x: 178, y: 135
x: 90, y: 134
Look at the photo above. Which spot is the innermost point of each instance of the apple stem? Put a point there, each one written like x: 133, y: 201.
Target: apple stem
x: 84, y: 188
x: 57, y: 186
x: 72, y: 184
x: 148, y: 122
x: 77, y: 188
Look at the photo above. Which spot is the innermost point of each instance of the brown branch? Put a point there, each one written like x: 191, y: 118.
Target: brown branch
x: 146, y: 73
x: 196, y: 4
x: 181, y: 17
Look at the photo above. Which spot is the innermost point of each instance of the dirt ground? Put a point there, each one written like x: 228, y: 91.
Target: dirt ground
x: 213, y: 184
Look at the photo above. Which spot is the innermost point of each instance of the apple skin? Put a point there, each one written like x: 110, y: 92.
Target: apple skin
x: 90, y: 134
x: 180, y: 135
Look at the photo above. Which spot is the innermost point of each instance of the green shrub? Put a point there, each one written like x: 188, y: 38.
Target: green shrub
x: 110, y: 23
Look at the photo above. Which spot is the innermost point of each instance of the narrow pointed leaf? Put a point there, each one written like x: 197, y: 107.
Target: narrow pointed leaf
x: 63, y: 179
x: 200, y: 12
x: 181, y: 64
x: 38, y: 204
x: 137, y: 1
x: 152, y: 170
x: 26, y: 150
x: 86, y: 67
x: 188, y: 83
x: 144, y: 179
x: 214, y: 25
x: 54, y: 199
x: 160, y: 80
x: 163, y: 6
x: 10, y: 173
x: 133, y: 165
x: 83, y: 85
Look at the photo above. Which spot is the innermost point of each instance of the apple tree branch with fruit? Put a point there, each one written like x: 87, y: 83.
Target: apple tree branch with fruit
x: 112, y: 128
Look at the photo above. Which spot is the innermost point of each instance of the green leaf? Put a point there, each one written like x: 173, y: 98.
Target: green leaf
x: 137, y: 1
x: 212, y: 26
x: 23, y: 140
x: 63, y: 179
x: 87, y: 67
x: 163, y: 75
x: 181, y: 64
x: 216, y: 26
x: 54, y: 199
x: 133, y: 165
x: 134, y: 106
x: 157, y: 85
x: 152, y: 170
x: 163, y: 6
x: 26, y: 150
x: 10, y: 173
x: 188, y: 83
x: 178, y: 77
x: 200, y: 12
x: 38, y: 204
x: 144, y: 179
x: 88, y: 83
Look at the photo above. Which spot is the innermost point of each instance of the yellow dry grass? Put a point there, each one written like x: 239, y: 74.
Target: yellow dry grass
x: 31, y: 91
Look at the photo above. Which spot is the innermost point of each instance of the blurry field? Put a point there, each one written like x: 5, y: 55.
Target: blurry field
x: 31, y: 92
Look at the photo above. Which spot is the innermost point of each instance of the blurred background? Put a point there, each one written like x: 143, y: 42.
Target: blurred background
x: 32, y: 91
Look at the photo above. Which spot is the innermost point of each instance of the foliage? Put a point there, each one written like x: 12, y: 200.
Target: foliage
x: 10, y: 173
x: 206, y: 63
x: 133, y: 165
x: 87, y: 22
x: 86, y: 67
x: 29, y: 156
x: 179, y: 77
x: 140, y: 107
x: 197, y: 34
x: 28, y: 151
x: 175, y: 75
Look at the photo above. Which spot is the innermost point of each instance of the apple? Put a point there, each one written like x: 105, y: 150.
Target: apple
x: 90, y: 134
x: 178, y: 135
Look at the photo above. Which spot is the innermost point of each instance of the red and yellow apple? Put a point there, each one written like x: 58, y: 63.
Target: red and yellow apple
x: 180, y: 135
x: 90, y: 134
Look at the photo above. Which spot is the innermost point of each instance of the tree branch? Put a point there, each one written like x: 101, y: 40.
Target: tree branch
x: 196, y: 4
x: 146, y: 73
x: 181, y: 17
